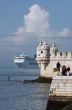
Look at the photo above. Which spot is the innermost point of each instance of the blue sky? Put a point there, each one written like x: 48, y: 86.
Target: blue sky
x: 51, y: 20
x: 12, y: 12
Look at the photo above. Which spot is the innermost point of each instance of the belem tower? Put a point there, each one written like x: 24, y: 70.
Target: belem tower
x: 47, y: 58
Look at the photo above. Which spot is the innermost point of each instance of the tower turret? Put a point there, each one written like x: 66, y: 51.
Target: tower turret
x: 38, y: 55
x: 53, y: 49
x: 45, y: 53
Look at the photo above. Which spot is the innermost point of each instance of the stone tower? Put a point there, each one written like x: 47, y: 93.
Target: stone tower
x: 48, y: 57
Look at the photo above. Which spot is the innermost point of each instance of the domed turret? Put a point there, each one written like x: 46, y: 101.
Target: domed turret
x: 45, y: 46
x: 45, y: 50
x: 53, y: 49
x: 39, y: 48
x: 45, y: 53
x: 38, y: 56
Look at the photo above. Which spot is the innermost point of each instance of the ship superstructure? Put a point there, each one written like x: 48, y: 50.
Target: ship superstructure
x: 24, y: 61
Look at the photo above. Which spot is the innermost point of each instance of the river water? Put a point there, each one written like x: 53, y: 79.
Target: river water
x: 14, y: 95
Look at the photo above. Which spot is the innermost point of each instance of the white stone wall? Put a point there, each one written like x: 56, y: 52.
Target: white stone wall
x: 61, y: 86
x: 48, y: 71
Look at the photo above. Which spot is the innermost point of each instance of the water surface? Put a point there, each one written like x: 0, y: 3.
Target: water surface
x: 14, y: 95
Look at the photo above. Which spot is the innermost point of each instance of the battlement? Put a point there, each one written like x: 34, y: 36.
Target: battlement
x: 61, y: 55
x: 45, y: 52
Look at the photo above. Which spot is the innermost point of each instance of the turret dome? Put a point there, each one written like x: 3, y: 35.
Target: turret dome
x: 40, y: 44
x: 53, y: 49
x: 45, y: 46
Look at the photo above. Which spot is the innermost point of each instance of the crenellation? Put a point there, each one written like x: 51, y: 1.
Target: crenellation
x: 69, y: 55
x: 52, y: 55
x: 61, y: 55
x: 58, y: 55
x: 64, y: 54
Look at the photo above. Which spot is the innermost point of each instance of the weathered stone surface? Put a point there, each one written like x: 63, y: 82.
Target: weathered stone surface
x: 64, y: 99
x: 61, y: 86
x: 60, y: 93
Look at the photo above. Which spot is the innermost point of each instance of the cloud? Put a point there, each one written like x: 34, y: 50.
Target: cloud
x: 35, y: 26
x: 65, y: 33
x: 36, y: 22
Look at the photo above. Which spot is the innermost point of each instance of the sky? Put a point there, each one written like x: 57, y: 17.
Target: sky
x: 23, y: 23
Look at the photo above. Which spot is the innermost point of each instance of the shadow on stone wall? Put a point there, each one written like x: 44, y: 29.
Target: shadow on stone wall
x: 59, y: 106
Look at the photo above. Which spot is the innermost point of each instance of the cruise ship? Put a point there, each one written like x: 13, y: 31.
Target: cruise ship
x: 24, y: 61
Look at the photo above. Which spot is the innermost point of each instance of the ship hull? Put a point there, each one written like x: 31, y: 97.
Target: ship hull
x: 22, y: 65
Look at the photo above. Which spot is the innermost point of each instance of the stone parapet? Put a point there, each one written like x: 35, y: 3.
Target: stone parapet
x: 61, y: 86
